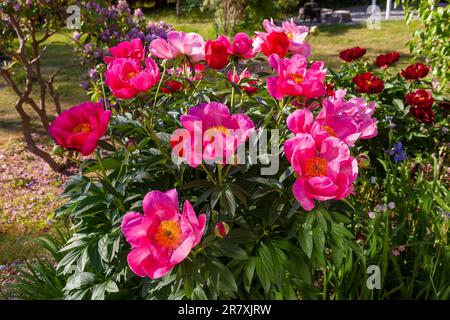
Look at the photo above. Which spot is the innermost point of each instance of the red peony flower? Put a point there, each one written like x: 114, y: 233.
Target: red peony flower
x: 415, y: 71
x: 423, y: 114
x: 171, y: 86
x: 217, y: 52
x: 368, y: 83
x: 80, y: 127
x: 420, y: 98
x: 352, y: 54
x: 385, y: 60
x: 275, y: 43
x: 330, y: 89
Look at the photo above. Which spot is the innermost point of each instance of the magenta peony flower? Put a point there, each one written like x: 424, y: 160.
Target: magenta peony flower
x: 179, y: 43
x: 125, y: 49
x: 243, y: 46
x: 211, y: 133
x: 340, y: 126
x: 80, y: 127
x: 126, y: 77
x: 296, y: 34
x: 325, y: 173
x: 161, y: 237
x: 357, y: 108
x: 294, y: 79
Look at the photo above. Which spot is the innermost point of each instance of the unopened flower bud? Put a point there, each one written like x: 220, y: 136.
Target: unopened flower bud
x: 363, y: 161
x: 314, y: 31
x: 100, y: 68
x: 131, y: 145
x: 58, y: 151
x: 221, y: 229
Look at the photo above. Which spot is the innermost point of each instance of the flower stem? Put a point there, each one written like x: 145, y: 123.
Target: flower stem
x: 208, y: 173
x: 159, y: 87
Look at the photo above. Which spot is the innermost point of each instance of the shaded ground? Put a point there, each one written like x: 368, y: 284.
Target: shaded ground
x: 28, y: 196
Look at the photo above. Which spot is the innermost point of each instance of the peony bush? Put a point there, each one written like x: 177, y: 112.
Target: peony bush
x: 266, y: 149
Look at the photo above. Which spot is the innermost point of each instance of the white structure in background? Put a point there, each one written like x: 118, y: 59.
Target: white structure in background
x: 388, y: 7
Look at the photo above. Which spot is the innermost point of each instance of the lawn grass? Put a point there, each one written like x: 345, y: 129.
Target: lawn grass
x: 393, y: 35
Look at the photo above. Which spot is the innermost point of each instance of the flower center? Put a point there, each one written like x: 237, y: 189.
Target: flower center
x: 316, y: 167
x: 290, y: 35
x: 168, y: 234
x: 298, y: 78
x: 130, y: 75
x: 329, y: 130
x: 82, y: 128
x: 221, y: 129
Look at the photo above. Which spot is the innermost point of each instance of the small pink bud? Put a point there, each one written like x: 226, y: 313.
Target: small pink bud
x: 221, y: 229
x: 131, y: 145
x: 363, y: 161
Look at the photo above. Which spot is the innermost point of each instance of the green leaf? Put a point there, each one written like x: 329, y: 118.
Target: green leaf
x: 249, y: 271
x: 78, y: 280
x: 306, y: 241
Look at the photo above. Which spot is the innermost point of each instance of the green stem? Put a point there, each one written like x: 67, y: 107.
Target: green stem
x: 232, y: 88
x: 208, y: 173
x: 159, y: 87
x: 104, y: 92
x: 219, y: 170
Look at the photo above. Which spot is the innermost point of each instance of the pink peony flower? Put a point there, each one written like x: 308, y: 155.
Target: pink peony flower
x: 357, y: 108
x: 126, y: 77
x: 243, y: 46
x: 325, y: 173
x: 296, y: 34
x: 178, y: 44
x: 161, y: 237
x: 340, y: 126
x: 211, y: 133
x: 294, y: 79
x: 125, y: 49
x: 80, y: 127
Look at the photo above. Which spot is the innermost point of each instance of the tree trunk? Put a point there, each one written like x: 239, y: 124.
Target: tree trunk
x: 177, y: 8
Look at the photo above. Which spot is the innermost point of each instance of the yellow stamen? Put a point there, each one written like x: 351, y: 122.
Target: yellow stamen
x: 168, y: 234
x: 329, y: 130
x: 298, y: 78
x: 82, y: 128
x: 316, y: 167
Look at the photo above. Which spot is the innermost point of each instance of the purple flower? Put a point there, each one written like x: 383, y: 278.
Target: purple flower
x: 76, y: 36
x: 390, y: 123
x: 398, y: 152
x: 138, y: 13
